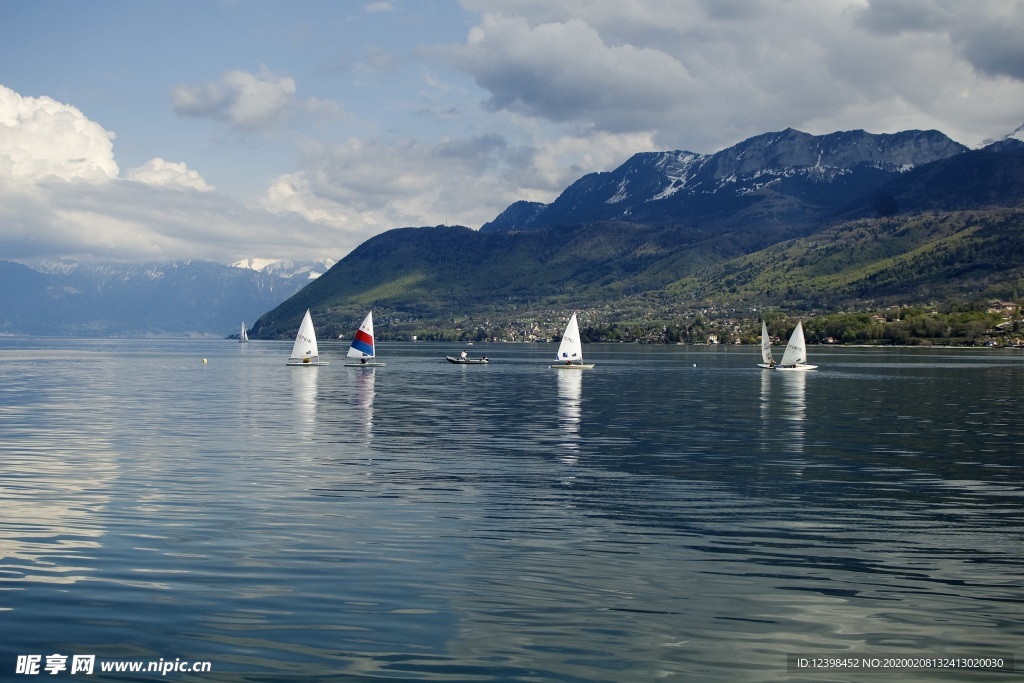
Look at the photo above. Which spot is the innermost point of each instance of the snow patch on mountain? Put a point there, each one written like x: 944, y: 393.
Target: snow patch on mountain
x: 309, y: 270
x: 621, y: 193
x: 678, y: 168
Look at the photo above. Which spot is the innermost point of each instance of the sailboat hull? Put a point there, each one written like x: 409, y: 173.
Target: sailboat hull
x: 302, y: 362
x: 795, y: 368
x: 572, y: 366
x: 368, y: 364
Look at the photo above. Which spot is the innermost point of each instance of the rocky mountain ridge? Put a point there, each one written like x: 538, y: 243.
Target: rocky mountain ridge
x: 811, y: 172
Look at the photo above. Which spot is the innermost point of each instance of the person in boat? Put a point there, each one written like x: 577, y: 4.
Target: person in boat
x: 463, y: 355
x: 363, y: 361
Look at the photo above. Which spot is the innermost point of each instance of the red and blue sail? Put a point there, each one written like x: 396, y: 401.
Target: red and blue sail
x: 362, y: 343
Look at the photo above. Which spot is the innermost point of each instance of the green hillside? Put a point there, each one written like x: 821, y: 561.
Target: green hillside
x: 426, y: 281
x: 423, y: 278
x: 930, y: 257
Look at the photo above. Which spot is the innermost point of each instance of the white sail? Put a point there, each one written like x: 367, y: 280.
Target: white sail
x: 570, y: 349
x: 766, y: 345
x: 305, y: 351
x: 362, y: 343
x: 796, y: 349
x: 244, y: 337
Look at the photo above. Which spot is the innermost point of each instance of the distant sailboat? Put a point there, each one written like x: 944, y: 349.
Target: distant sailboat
x: 362, y: 346
x: 795, y: 357
x: 305, y: 351
x: 244, y: 337
x: 570, y: 350
x: 766, y: 348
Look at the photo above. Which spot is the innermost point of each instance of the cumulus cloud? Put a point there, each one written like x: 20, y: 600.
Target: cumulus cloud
x: 371, y: 186
x: 160, y: 173
x: 134, y: 221
x: 60, y: 196
x: 986, y: 33
x: 565, y: 71
x: 704, y: 74
x: 42, y: 138
x: 240, y: 98
x: 250, y: 101
x: 366, y: 187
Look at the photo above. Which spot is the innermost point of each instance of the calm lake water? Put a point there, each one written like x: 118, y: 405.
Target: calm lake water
x: 675, y: 513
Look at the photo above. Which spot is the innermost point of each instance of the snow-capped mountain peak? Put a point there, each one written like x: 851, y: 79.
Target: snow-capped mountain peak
x: 287, y: 268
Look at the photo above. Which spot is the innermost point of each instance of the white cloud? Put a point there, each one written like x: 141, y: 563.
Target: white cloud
x: 366, y: 187
x: 291, y: 193
x: 47, y: 150
x: 986, y: 33
x: 160, y: 173
x: 125, y: 220
x: 41, y: 139
x: 240, y: 98
x: 704, y: 74
x: 565, y: 71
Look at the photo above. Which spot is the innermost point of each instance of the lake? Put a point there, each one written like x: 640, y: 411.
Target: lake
x: 674, y: 513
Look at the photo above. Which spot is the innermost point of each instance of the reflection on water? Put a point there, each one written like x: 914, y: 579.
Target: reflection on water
x: 412, y: 523
x: 794, y: 401
x: 570, y: 393
x: 570, y: 398
x: 365, y: 378
x: 783, y: 409
x: 304, y: 386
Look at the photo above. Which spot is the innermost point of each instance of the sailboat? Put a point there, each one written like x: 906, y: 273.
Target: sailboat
x: 305, y: 352
x: 766, y: 348
x: 570, y: 350
x: 795, y: 357
x: 362, y: 346
x: 244, y: 337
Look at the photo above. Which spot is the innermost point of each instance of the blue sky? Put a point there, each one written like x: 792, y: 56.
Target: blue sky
x: 225, y: 130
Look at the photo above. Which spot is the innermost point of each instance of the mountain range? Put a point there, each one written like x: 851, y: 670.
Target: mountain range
x: 783, y: 220
x: 185, y: 298
x: 786, y: 220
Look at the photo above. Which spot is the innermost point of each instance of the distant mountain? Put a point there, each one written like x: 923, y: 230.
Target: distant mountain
x: 307, y: 270
x: 674, y: 230
x: 190, y: 298
x: 786, y: 182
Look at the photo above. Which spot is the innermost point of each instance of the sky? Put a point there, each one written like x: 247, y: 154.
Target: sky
x: 231, y: 129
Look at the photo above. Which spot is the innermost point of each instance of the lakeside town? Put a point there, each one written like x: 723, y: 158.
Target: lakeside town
x: 981, y: 324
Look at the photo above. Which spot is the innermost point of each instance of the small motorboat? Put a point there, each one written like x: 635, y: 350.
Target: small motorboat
x: 466, y: 360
